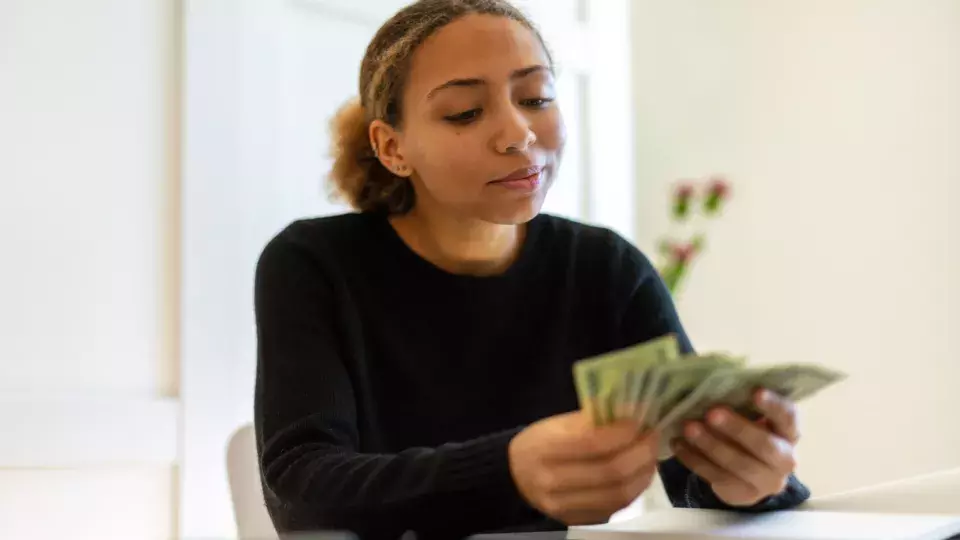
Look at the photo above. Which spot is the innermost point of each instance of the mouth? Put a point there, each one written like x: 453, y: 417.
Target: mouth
x: 526, y: 179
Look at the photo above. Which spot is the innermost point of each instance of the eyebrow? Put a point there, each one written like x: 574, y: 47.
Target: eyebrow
x: 518, y: 74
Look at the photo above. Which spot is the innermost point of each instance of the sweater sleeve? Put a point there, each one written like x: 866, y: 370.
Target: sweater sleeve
x: 306, y: 419
x: 650, y: 314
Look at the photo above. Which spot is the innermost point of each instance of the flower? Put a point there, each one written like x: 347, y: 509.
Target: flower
x: 683, y: 253
x: 717, y: 192
x: 677, y: 255
x: 682, y: 196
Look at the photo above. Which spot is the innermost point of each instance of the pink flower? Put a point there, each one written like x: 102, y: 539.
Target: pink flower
x: 719, y: 187
x: 682, y: 196
x: 717, y: 192
x: 682, y: 253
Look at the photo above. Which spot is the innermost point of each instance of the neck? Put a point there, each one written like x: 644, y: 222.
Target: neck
x: 460, y: 246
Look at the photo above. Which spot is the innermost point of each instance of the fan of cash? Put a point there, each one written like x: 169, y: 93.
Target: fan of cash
x: 656, y: 386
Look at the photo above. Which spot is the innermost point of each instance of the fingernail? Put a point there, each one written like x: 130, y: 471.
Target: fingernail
x: 718, y: 418
x: 693, y: 431
x: 766, y: 397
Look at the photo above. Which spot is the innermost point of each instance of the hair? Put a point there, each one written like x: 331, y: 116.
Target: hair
x: 357, y: 175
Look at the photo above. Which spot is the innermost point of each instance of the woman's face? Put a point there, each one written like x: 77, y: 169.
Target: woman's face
x: 481, y: 130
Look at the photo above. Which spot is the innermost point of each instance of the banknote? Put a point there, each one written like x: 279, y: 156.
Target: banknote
x: 675, y: 381
x: 657, y: 388
x: 735, y: 389
x: 602, y: 386
x: 795, y: 382
x: 709, y: 393
x: 705, y: 394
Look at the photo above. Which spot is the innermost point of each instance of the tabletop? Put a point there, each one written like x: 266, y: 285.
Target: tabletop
x: 550, y: 535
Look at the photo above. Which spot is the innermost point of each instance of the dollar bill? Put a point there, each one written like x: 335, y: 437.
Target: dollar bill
x: 654, y: 386
x: 659, y: 389
x: 795, y: 382
x: 717, y: 384
x: 641, y: 407
x: 676, y: 381
x: 735, y: 389
x: 633, y: 382
x: 602, y: 389
x: 658, y: 352
x: 695, y: 405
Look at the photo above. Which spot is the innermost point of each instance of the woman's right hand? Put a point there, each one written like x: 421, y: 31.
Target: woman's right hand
x: 580, y: 474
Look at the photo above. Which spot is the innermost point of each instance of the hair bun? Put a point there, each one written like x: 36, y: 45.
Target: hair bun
x: 349, y: 144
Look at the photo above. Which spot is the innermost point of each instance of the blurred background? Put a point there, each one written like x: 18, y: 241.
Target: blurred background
x: 149, y: 149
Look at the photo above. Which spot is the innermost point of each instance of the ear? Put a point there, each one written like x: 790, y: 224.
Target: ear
x: 385, y: 141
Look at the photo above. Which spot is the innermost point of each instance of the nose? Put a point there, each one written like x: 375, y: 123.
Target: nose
x: 515, y: 134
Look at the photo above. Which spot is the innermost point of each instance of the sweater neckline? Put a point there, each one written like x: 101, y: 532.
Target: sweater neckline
x: 408, y: 256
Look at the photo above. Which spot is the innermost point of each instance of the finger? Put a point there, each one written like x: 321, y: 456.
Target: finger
x: 781, y: 413
x: 600, y: 502
x: 728, y: 456
x: 616, y: 470
x: 700, y: 465
x: 754, y: 439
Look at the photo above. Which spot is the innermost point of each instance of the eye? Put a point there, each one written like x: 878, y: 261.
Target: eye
x: 537, y: 103
x: 465, y: 117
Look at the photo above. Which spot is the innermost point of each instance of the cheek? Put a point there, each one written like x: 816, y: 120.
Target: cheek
x: 447, y: 159
x: 456, y: 147
x: 551, y: 131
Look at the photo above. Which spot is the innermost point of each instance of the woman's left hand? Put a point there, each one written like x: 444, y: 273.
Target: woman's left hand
x: 743, y: 461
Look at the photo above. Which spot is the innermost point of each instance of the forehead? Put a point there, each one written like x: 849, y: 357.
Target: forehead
x: 474, y: 46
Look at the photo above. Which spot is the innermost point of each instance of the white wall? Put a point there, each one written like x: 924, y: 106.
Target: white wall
x: 847, y: 109
x: 89, y: 135
x: 839, y: 124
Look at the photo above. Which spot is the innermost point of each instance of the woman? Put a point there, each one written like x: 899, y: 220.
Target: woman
x: 415, y: 357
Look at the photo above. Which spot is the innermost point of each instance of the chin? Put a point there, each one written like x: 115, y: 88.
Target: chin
x: 512, y: 208
x: 514, y: 213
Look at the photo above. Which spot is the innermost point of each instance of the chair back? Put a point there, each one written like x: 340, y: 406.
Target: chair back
x: 243, y: 468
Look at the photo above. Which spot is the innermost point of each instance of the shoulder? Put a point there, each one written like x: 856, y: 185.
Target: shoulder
x: 613, y: 274
x: 328, y: 232
x: 595, y: 248
x: 316, y: 243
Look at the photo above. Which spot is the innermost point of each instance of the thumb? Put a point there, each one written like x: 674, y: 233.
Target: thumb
x: 614, y: 437
x: 574, y: 436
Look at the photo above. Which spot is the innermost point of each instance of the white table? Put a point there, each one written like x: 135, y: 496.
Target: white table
x: 936, y: 493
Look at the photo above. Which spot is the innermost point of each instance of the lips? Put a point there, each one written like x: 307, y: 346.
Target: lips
x: 527, y: 173
x: 527, y: 180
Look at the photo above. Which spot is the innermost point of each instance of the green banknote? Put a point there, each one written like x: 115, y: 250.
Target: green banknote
x: 658, y: 388
x: 735, y: 388
x: 608, y: 385
x: 680, y: 380
x: 795, y: 382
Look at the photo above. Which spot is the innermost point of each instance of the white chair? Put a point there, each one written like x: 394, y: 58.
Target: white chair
x: 243, y: 469
x: 936, y: 493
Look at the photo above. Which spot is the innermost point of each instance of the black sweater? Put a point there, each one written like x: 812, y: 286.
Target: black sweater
x: 388, y: 389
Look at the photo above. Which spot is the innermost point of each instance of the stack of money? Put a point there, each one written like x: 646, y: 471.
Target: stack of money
x: 657, y: 387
